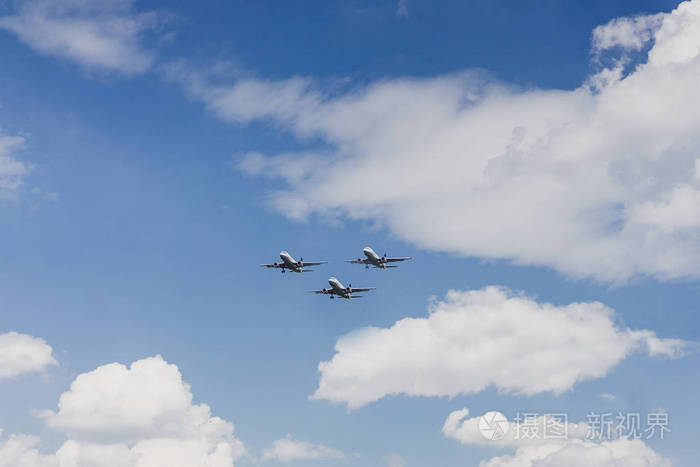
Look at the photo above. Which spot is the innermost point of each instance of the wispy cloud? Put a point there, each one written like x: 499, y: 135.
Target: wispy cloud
x: 12, y: 170
x: 601, y: 181
x: 288, y: 449
x: 402, y: 8
x: 102, y: 36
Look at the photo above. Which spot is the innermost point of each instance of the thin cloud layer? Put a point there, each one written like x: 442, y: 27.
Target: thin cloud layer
x: 395, y: 460
x: 572, y: 450
x: 12, y: 170
x: 602, y: 181
x: 480, y: 338
x: 97, y: 35
x: 289, y: 449
x: 136, y: 416
x: 21, y: 353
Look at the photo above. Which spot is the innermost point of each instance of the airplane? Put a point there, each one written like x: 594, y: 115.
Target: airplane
x: 371, y: 258
x: 340, y: 290
x: 290, y: 263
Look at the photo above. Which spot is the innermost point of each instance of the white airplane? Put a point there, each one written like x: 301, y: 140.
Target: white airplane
x: 340, y: 290
x: 293, y: 265
x: 371, y: 258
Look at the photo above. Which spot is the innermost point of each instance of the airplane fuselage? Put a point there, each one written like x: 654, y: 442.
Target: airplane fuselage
x: 289, y: 262
x: 337, y: 288
x: 373, y: 258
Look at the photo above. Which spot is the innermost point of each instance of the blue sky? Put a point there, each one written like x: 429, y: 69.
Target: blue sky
x: 135, y: 232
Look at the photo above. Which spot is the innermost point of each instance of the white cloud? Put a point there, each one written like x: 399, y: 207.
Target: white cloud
x: 141, y: 415
x: 21, y: 353
x: 578, y: 453
x: 599, y: 181
x: 21, y: 451
x: 289, y: 449
x: 629, y: 33
x: 573, y: 450
x: 101, y: 35
x: 137, y: 416
x: 12, y: 170
x: 480, y: 338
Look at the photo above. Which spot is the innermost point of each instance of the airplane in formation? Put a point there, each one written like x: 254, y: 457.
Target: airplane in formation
x: 336, y: 288
x: 373, y: 259
x: 288, y: 262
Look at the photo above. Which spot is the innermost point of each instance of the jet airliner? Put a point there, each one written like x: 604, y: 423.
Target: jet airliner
x: 340, y: 290
x: 288, y: 262
x: 373, y: 259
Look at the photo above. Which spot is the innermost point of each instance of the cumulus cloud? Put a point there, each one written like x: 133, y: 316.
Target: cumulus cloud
x: 104, y: 36
x: 480, y: 338
x: 21, y: 353
x: 289, y: 449
x: 21, y: 451
x: 136, y: 416
x: 598, y: 181
x: 12, y: 170
x: 573, y: 449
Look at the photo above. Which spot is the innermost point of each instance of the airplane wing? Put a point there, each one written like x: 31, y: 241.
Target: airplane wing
x: 269, y: 265
x: 393, y: 260
x: 312, y: 263
x: 354, y: 289
x: 355, y: 261
x: 323, y: 291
